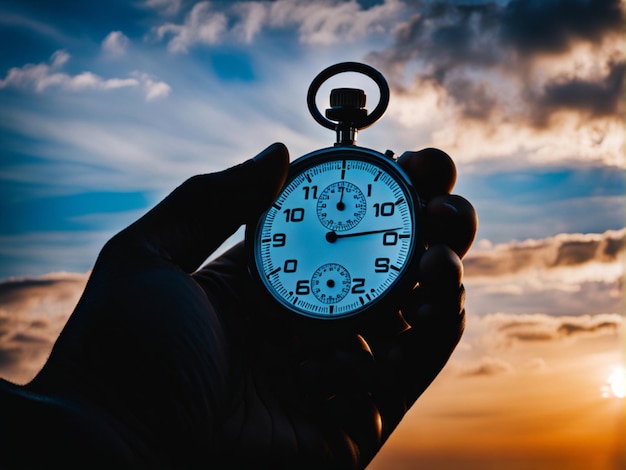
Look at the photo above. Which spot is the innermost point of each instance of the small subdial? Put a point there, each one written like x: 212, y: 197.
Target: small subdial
x: 341, y: 206
x: 330, y: 283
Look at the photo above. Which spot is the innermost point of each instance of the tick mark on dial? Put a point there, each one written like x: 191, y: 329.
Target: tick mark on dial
x: 273, y: 272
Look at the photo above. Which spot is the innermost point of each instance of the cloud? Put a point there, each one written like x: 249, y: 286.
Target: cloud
x: 334, y: 22
x: 328, y: 22
x: 458, y: 44
x: 565, y: 250
x: 153, y: 87
x: 166, y: 7
x: 115, y: 44
x: 537, y: 327
x: 532, y: 27
x: 596, y: 98
x: 487, y: 366
x: 565, y: 275
x: 156, y: 90
x: 32, y: 314
x: 43, y: 76
x: 202, y: 26
x: 513, y: 78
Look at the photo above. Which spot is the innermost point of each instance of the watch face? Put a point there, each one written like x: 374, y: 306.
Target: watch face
x: 340, y: 235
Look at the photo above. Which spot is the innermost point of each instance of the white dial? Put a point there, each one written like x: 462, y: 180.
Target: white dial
x: 339, y: 236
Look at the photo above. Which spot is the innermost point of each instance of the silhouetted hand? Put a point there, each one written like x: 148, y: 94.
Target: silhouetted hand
x: 161, y: 365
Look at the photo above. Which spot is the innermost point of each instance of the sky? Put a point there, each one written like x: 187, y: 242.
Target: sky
x: 105, y: 107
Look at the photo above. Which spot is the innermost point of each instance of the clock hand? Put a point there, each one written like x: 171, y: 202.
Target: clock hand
x: 340, y: 205
x: 331, y: 237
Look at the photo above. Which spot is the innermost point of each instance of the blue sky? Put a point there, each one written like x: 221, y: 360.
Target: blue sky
x: 104, y: 108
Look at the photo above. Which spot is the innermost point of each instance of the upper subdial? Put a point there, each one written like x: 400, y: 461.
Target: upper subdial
x: 341, y: 206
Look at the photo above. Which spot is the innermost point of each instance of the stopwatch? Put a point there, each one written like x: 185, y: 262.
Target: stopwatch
x: 344, y: 234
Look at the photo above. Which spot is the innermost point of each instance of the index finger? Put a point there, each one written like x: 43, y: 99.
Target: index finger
x: 431, y: 170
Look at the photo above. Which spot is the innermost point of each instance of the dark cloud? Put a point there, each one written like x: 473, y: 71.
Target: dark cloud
x: 568, y: 328
x: 476, y: 100
x: 598, y: 98
x: 445, y: 37
x: 536, y: 26
x: 607, y: 248
x: 565, y: 250
x: 530, y: 328
x: 487, y: 366
x: 459, y: 46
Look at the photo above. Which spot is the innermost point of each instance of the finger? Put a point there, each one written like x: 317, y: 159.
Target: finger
x: 440, y: 286
x: 196, y: 218
x: 431, y: 170
x: 452, y: 220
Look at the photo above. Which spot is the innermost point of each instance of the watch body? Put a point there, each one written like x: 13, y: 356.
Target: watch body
x: 342, y: 237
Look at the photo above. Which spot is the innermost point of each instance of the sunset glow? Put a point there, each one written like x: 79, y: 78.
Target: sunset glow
x: 616, y: 383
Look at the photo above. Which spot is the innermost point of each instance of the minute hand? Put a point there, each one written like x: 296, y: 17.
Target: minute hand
x: 333, y: 236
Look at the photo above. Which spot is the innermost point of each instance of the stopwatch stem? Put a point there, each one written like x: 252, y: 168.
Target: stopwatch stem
x: 346, y: 135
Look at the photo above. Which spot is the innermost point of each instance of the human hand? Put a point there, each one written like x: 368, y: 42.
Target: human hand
x: 186, y: 366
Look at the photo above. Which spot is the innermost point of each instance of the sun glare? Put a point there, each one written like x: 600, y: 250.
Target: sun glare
x: 616, y: 382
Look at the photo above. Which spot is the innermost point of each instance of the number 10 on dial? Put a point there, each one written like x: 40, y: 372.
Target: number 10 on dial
x: 341, y: 236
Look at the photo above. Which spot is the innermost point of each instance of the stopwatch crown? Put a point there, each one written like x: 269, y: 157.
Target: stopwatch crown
x: 347, y: 106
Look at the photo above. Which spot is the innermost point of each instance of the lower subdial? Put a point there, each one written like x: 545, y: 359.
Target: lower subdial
x: 341, y: 206
x: 330, y: 283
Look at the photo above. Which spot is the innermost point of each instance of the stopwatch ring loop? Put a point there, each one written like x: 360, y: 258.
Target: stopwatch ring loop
x: 342, y: 67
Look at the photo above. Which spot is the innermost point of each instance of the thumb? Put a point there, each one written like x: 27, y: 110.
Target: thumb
x: 196, y: 218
